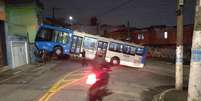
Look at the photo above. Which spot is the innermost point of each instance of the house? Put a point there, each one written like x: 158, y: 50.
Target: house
x: 18, y: 26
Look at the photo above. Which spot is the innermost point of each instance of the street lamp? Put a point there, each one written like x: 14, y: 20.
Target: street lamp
x: 70, y: 18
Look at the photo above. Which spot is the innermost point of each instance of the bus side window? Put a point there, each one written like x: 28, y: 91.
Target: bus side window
x: 129, y: 50
x: 133, y: 50
x: 100, y: 45
x: 89, y: 43
x: 61, y: 37
x: 113, y: 46
x: 126, y: 49
x: 119, y: 48
x: 139, y: 51
x: 105, y: 46
x: 116, y: 47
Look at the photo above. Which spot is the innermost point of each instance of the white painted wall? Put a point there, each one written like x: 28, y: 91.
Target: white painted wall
x: 19, y: 53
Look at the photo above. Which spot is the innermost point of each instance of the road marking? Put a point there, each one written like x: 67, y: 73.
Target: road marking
x: 61, y: 83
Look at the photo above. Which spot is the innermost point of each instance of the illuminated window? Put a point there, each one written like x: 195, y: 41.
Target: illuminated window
x: 140, y: 36
x: 165, y: 35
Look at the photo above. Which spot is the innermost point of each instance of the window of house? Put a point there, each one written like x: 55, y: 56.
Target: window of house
x: 165, y: 35
x: 140, y: 37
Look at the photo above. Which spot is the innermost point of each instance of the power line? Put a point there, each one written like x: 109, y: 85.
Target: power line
x: 116, y: 8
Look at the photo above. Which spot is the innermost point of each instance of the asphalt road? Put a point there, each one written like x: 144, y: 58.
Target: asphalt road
x: 34, y: 82
x: 65, y: 81
x: 126, y: 84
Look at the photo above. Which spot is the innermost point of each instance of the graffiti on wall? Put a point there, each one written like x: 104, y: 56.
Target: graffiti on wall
x: 168, y: 53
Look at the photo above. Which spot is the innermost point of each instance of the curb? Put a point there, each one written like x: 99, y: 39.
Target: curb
x: 160, y: 97
x: 4, y: 69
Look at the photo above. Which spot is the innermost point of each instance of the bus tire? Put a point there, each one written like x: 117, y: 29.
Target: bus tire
x: 58, y: 51
x: 115, y: 61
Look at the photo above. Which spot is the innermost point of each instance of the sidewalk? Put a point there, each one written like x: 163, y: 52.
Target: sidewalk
x: 6, y: 74
x: 168, y: 69
x: 171, y: 95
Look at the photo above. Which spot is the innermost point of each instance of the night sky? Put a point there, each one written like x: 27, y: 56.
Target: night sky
x: 140, y: 13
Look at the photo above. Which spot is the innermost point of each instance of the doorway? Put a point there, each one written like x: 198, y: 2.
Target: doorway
x: 2, y: 45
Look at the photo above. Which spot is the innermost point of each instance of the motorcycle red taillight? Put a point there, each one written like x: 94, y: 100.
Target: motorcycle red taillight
x: 91, y: 79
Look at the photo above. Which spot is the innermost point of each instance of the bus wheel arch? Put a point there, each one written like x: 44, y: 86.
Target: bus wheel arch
x: 115, y: 60
x: 58, y: 50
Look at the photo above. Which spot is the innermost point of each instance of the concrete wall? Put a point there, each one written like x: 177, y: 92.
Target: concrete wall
x: 21, y: 24
x: 22, y: 20
x: 168, y: 53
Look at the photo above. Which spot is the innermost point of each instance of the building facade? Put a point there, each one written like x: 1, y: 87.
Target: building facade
x: 161, y: 40
x: 18, y: 26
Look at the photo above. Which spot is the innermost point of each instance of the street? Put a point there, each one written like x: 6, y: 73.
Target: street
x: 126, y: 84
x: 64, y: 80
x: 30, y: 85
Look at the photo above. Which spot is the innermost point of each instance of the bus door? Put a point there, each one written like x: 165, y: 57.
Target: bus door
x: 76, y: 45
x: 102, y: 48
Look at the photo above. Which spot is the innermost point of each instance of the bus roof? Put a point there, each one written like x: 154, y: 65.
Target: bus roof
x: 56, y: 28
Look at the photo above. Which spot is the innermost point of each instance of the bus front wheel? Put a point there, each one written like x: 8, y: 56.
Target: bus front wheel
x: 58, y: 51
x: 115, y: 61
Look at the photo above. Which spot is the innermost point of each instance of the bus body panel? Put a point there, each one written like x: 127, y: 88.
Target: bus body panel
x: 126, y: 60
x: 135, y: 60
x: 50, y: 45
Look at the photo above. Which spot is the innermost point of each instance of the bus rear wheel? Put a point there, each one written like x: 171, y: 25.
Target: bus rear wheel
x: 115, y: 61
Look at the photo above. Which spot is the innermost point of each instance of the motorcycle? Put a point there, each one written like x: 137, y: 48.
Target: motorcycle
x: 98, y: 81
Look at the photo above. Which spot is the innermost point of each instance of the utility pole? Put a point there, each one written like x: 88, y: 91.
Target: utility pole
x: 128, y: 32
x: 194, y: 88
x: 53, y: 13
x: 179, y: 47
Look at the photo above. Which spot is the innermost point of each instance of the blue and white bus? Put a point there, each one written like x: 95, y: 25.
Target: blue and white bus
x: 62, y: 41
x: 54, y: 40
x: 113, y: 51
